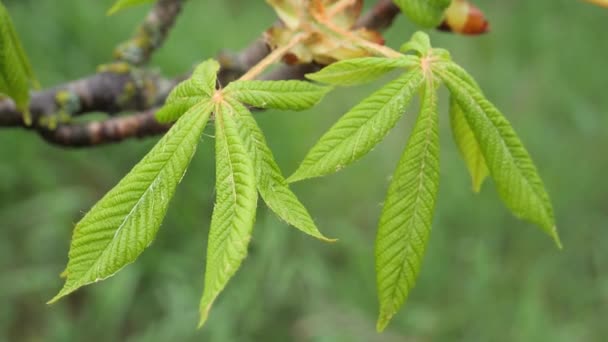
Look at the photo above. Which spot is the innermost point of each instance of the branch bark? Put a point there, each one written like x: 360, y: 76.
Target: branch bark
x: 151, y: 34
x: 112, y: 130
x: 109, y: 92
x: 124, y: 86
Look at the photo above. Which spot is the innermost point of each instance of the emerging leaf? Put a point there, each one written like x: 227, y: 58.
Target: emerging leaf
x: 199, y: 88
x: 234, y: 211
x: 120, y: 5
x: 360, y: 70
x: 311, y: 17
x: 287, y: 95
x: 270, y: 181
x: 426, y: 13
x: 420, y: 43
x: 468, y: 145
x: 407, y: 215
x: 359, y: 130
x: 509, y: 163
x: 16, y: 74
x: 125, y: 221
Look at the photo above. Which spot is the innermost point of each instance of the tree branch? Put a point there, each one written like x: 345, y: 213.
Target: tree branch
x: 151, y: 34
x: 123, y: 87
x: 109, y: 92
x: 107, y: 131
x: 380, y: 17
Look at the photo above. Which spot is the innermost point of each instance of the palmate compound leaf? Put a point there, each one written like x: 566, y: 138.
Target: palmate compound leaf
x: 359, y: 130
x: 199, y: 87
x: 270, y: 181
x: 468, y: 145
x: 426, y: 13
x: 16, y: 74
x: 287, y: 95
x: 120, y: 5
x: 405, y: 222
x: 125, y: 221
x: 234, y: 210
x: 509, y: 163
x: 356, y: 71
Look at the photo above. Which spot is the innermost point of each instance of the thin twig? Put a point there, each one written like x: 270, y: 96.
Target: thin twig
x: 273, y: 57
x: 151, y: 34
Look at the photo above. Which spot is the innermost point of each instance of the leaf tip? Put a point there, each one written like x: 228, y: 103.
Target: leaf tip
x: 62, y: 293
x: 383, y: 322
x: 555, y: 236
x: 326, y: 239
x: 476, y: 186
x: 204, y: 315
x: 295, y: 177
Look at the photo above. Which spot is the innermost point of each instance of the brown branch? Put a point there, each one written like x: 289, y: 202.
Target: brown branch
x: 138, y: 125
x: 109, y: 92
x: 124, y: 88
x: 103, y: 132
x: 151, y: 34
x: 379, y: 17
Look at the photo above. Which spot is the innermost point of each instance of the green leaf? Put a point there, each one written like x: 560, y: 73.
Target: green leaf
x: 234, y: 211
x: 359, y: 130
x: 509, y: 163
x: 407, y: 214
x: 125, y: 221
x: 360, y: 70
x: 16, y: 75
x: 419, y: 43
x: 270, y: 181
x: 287, y: 95
x: 120, y: 5
x: 200, y: 87
x: 468, y: 145
x: 426, y: 13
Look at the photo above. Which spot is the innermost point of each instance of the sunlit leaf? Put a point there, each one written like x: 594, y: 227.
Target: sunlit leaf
x: 405, y: 223
x: 509, y: 163
x: 125, y: 221
x: 359, y: 130
x: 234, y: 210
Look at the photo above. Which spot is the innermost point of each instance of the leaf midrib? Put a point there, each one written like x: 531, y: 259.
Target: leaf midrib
x: 502, y: 141
x: 421, y: 176
x: 363, y: 126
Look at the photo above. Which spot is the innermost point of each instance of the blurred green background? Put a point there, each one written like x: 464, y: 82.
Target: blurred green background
x: 486, y: 275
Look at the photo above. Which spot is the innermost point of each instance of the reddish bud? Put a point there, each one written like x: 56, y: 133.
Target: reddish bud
x: 603, y: 3
x: 464, y: 18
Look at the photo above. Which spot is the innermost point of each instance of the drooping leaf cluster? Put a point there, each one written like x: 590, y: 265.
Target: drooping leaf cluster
x: 125, y: 221
x: 486, y: 140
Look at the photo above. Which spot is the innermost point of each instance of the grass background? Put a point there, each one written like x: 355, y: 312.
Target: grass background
x: 486, y: 276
